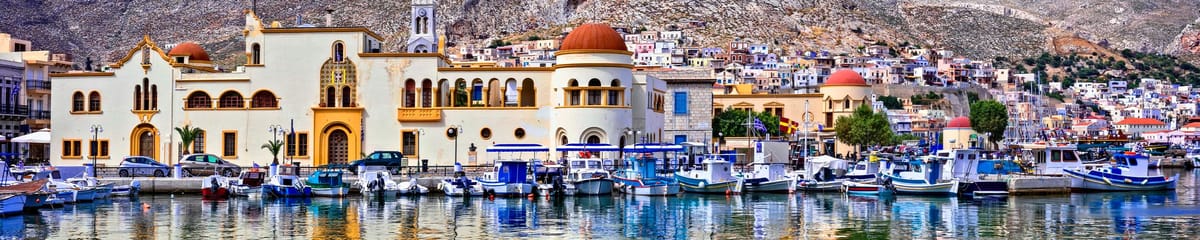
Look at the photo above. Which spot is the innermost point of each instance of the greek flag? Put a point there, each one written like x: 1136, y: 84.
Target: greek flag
x: 758, y: 125
x: 16, y: 90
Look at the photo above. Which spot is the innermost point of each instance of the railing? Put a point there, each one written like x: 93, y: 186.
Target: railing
x: 37, y: 84
x: 22, y: 110
x: 39, y: 114
x: 665, y: 170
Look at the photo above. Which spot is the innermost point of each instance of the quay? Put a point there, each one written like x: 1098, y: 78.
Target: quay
x: 193, y: 184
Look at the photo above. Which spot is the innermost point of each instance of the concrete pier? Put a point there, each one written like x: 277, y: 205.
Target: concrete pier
x: 1018, y: 185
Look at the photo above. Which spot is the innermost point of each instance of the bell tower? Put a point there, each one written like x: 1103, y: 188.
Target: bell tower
x: 422, y: 35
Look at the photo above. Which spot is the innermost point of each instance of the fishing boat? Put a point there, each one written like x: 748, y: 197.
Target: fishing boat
x: 214, y: 187
x: 35, y: 192
x: 586, y: 172
x: 964, y: 167
x: 822, y: 174
x: 249, y: 183
x: 12, y: 203
x: 1050, y: 158
x: 62, y: 192
x: 286, y: 186
x: 641, y: 177
x: 127, y: 190
x: 858, y: 188
x: 713, y: 176
x: 327, y: 182
x: 102, y: 190
x: 865, y: 171
x: 377, y: 182
x: 509, y: 175
x: 770, y: 172
x: 411, y: 187
x: 550, y: 179
x: 920, y: 177
x: 1129, y: 172
x: 460, y: 185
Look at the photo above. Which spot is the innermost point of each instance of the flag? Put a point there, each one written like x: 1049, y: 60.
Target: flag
x: 793, y: 127
x: 758, y: 126
x: 254, y: 165
x: 785, y: 126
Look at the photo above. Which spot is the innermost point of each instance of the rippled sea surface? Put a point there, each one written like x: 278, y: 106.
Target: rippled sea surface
x: 763, y: 216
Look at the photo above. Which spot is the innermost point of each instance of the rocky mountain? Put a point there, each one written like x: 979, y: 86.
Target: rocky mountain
x: 102, y: 30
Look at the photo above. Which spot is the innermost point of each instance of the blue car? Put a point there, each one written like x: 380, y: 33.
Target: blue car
x: 139, y: 166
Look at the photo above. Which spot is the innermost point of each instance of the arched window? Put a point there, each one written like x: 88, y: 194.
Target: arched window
x: 346, y: 97
x: 574, y: 94
x: 330, y: 97
x: 137, y: 98
x: 614, y: 95
x: 264, y: 99
x: 231, y: 99
x: 593, y: 94
x: 593, y: 139
x: 846, y: 104
x: 154, y: 97
x: 255, y: 54
x: 145, y: 89
x: 494, y: 95
x: 199, y: 99
x: 77, y: 102
x: 339, y: 52
x: 94, y: 101
x: 528, y: 93
x: 410, y: 93
x: 426, y: 93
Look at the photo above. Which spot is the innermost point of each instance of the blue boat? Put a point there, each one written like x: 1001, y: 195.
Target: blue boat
x: 1129, y: 172
x: 327, y: 182
x: 286, y: 186
x: 509, y: 177
x: 641, y: 178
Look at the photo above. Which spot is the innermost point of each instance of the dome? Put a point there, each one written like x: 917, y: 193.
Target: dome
x: 959, y: 122
x: 190, y: 49
x: 845, y: 77
x: 593, y: 36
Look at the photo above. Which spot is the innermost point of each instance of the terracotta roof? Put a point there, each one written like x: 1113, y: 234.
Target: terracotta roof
x: 959, y: 122
x: 1192, y: 125
x: 594, y: 36
x: 1140, y: 121
x: 845, y: 77
x: 190, y: 49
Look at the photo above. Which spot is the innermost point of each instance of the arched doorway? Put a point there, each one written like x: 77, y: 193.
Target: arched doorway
x: 143, y: 141
x: 146, y: 144
x: 338, y: 150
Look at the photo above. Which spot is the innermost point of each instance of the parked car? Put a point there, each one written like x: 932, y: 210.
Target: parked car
x: 393, y: 160
x: 204, y: 164
x: 139, y: 166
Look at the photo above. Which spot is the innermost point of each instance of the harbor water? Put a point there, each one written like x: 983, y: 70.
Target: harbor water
x: 761, y: 216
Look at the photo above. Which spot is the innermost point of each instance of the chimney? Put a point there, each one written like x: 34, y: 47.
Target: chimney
x: 328, y: 17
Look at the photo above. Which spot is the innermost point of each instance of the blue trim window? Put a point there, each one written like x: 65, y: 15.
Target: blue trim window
x: 681, y: 103
x: 679, y: 139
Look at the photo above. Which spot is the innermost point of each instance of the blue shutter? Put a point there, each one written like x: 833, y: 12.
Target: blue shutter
x: 681, y: 103
x: 679, y: 139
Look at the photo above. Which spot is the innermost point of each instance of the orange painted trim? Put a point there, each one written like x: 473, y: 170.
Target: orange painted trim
x: 589, y: 51
x: 593, y: 65
x: 81, y: 74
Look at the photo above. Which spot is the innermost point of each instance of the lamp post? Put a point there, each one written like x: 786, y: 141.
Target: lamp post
x: 454, y: 131
x: 276, y: 130
x: 96, y: 130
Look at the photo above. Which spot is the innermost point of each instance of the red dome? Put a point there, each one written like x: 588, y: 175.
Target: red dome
x: 190, y: 49
x: 845, y: 77
x: 594, y: 36
x: 959, y: 122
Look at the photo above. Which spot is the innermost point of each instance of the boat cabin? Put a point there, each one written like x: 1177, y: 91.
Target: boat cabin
x: 963, y: 163
x: 1130, y: 164
x: 825, y: 168
x: 512, y: 168
x: 327, y: 176
x: 643, y: 162
x: 714, y: 168
x: 252, y: 178
x: 1051, y: 159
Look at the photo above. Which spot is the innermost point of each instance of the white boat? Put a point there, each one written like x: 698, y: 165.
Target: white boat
x: 713, y: 176
x: 822, y: 174
x: 509, y: 175
x: 411, y: 187
x: 963, y: 166
x: 1050, y: 159
x: 327, y: 182
x: 127, y: 190
x: 377, y: 183
x: 1130, y: 172
x: 249, y: 184
x: 586, y: 173
x: 550, y: 180
x: 101, y: 190
x: 770, y: 172
x: 460, y: 185
x: 12, y: 204
x: 286, y: 186
x: 856, y: 188
x: 920, y: 177
x: 641, y: 178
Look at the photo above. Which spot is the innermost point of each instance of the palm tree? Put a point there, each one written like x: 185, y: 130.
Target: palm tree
x: 274, y: 146
x: 187, y: 134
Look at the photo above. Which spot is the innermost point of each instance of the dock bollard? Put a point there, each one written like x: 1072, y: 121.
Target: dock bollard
x: 178, y: 171
x: 273, y: 169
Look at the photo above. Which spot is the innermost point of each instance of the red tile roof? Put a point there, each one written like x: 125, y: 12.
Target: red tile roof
x: 1140, y: 121
x: 1192, y: 125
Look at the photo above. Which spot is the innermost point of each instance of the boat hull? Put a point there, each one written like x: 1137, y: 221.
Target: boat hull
x: 785, y: 185
x: 214, y: 194
x: 854, y: 188
x: 815, y: 186
x: 945, y: 188
x: 594, y: 186
x: 453, y: 190
x: 85, y: 195
x: 103, y: 191
x: 506, y: 189
x: 65, y: 196
x: 14, y: 204
x: 125, y: 190
x: 36, y: 200
x: 984, y: 188
x: 386, y: 193
x: 670, y: 189
x: 702, y: 187
x: 247, y: 191
x: 1088, y: 182
x: 330, y: 191
x: 286, y: 191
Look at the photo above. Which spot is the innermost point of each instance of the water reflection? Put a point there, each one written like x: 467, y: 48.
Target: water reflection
x: 760, y: 216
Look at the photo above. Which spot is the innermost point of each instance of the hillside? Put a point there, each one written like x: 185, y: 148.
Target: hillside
x: 975, y: 28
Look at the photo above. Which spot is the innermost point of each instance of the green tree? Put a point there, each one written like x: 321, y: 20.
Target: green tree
x: 972, y: 97
x: 863, y: 127
x: 732, y: 123
x: 989, y: 117
x: 187, y: 135
x: 891, y: 102
x: 273, y: 146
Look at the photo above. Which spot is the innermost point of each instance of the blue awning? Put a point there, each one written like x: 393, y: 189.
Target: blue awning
x: 517, y: 148
x: 587, y: 147
x: 653, y: 147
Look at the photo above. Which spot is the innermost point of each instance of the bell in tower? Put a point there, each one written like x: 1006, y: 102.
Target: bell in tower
x: 422, y: 35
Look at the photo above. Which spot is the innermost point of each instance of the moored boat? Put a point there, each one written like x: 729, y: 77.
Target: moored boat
x: 713, y: 176
x: 12, y: 203
x: 411, y: 187
x: 286, y: 186
x: 460, y: 185
x: 641, y: 178
x: 822, y: 174
x: 920, y: 177
x: 35, y: 192
x: 586, y: 172
x: 509, y: 174
x: 770, y: 172
x: 249, y: 183
x: 377, y: 183
x: 214, y: 187
x: 856, y: 188
x: 964, y: 167
x: 1129, y: 172
x: 327, y: 182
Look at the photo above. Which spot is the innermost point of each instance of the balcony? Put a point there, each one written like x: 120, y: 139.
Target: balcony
x: 419, y: 114
x: 37, y: 86
x: 36, y: 114
x: 14, y: 112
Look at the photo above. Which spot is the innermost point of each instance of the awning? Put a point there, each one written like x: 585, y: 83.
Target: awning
x: 589, y: 147
x: 41, y: 136
x: 517, y: 148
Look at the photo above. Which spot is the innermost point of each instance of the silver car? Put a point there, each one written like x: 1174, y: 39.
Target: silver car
x: 204, y: 164
x: 139, y: 166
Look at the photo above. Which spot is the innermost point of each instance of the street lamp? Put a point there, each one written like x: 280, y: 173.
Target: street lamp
x: 453, y: 132
x: 96, y: 130
x: 275, y: 131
